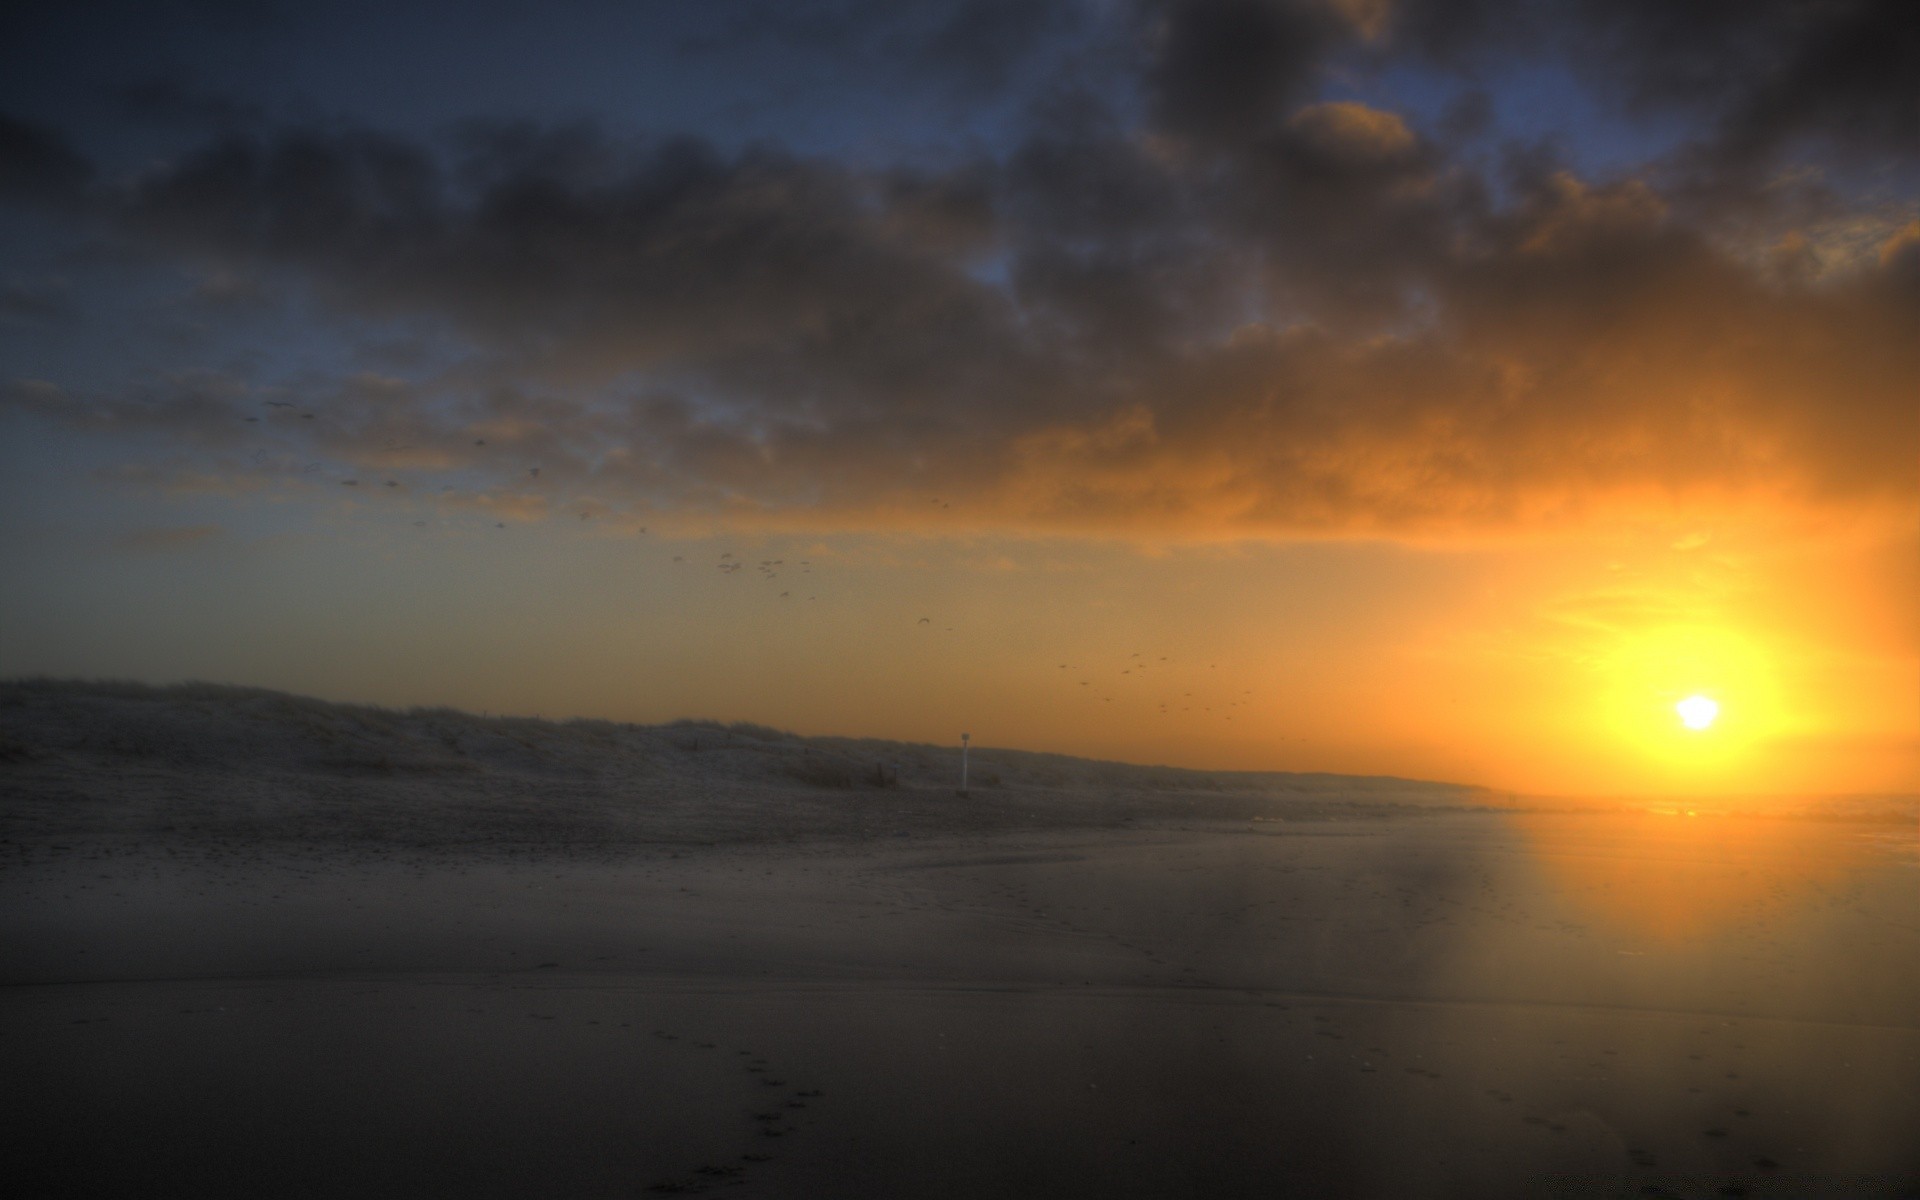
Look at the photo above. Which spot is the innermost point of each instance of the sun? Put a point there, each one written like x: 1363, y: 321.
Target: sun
x: 1697, y: 712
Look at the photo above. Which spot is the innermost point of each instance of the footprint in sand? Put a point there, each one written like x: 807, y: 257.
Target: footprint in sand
x: 771, y: 1123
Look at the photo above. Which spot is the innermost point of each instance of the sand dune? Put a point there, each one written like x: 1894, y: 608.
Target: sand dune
x: 198, y: 760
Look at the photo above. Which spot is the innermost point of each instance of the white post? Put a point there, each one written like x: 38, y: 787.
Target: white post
x: 964, y: 738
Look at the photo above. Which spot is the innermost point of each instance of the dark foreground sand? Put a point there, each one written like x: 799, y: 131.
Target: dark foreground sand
x: 1452, y: 1004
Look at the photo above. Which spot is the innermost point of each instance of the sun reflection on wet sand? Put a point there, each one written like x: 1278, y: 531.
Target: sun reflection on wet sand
x: 1675, y: 874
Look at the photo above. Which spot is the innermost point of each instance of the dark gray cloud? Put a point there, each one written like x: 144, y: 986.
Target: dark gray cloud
x: 42, y: 302
x: 586, y: 259
x: 38, y: 166
x: 1772, y: 72
x: 1752, y: 80
x: 1223, y: 69
x: 172, y: 102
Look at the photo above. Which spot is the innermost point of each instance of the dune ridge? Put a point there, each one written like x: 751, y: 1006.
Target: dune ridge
x: 182, y: 760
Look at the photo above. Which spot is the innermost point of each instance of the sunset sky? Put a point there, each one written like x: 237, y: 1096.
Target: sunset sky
x: 1443, y: 388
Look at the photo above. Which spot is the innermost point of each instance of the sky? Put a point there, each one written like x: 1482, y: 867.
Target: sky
x: 1438, y: 389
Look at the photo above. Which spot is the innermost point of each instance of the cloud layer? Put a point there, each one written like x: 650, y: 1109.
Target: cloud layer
x: 1202, y: 292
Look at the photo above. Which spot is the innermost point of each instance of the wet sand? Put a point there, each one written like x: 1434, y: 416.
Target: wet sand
x: 1430, y: 1005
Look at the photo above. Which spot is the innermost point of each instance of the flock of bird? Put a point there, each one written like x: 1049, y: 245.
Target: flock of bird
x: 1133, y: 668
x: 1136, y: 665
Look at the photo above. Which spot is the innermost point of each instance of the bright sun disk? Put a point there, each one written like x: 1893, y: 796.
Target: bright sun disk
x: 1697, y: 712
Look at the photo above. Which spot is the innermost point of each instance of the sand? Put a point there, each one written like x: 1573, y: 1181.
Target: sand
x: 1389, y: 1000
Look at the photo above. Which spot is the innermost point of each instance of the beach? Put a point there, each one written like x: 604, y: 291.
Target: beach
x: 1429, y: 1005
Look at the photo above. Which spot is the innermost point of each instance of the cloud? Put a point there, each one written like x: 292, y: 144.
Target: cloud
x: 1227, y: 69
x: 1234, y: 306
x: 1755, y: 82
x: 37, y: 302
x: 577, y: 256
x: 1346, y: 129
x: 1769, y: 74
x: 165, y: 100
x: 37, y: 165
x: 203, y: 409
